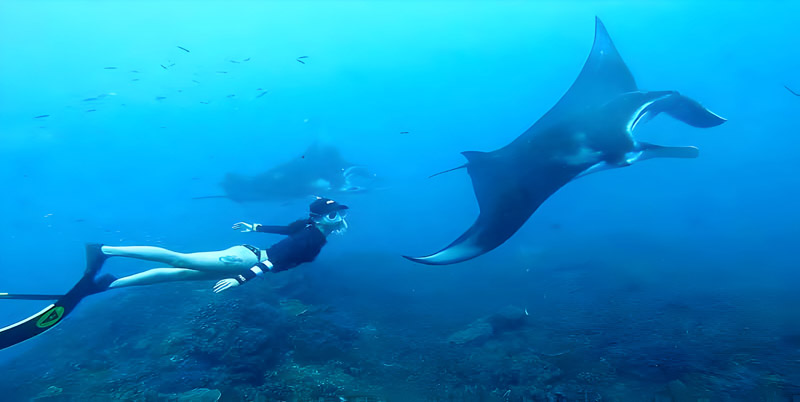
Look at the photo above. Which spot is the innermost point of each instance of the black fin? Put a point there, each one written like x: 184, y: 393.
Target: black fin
x: 53, y: 314
x: 95, y: 258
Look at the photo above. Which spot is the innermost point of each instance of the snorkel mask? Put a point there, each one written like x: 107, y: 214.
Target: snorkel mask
x: 329, y: 213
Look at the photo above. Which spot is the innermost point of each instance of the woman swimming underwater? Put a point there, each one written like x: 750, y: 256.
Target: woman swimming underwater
x: 238, y: 264
x: 231, y: 267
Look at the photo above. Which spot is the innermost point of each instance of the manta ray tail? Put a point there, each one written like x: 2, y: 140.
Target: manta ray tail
x: 447, y: 171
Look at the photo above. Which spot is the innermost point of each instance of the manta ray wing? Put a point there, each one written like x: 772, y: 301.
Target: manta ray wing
x: 507, y: 197
x: 604, y: 75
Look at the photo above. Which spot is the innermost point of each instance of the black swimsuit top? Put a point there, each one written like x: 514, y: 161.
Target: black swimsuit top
x: 303, y: 244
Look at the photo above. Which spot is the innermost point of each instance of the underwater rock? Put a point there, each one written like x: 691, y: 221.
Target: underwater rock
x: 294, y: 307
x: 478, y: 332
x: 509, y: 318
x: 680, y: 392
x: 52, y: 393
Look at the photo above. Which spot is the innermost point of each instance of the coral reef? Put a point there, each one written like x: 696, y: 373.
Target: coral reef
x: 335, y: 337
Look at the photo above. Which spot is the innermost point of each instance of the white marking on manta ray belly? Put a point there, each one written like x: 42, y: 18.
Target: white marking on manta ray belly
x: 633, y: 156
x: 585, y: 154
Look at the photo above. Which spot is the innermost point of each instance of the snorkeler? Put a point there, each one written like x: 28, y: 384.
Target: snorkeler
x: 232, y: 267
x: 238, y: 264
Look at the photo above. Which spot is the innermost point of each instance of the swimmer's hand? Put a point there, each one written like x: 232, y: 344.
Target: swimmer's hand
x: 225, y: 284
x: 245, y: 227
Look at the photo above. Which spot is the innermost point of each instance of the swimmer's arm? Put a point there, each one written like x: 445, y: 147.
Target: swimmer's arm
x: 246, y: 276
x: 245, y: 227
x: 281, y: 230
x: 287, y: 230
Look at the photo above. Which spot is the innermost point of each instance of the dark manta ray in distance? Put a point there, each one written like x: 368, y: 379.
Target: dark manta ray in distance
x: 320, y: 170
x: 588, y: 130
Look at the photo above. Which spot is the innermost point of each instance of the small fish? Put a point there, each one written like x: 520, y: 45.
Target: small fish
x: 303, y: 57
x: 259, y: 89
x: 247, y: 59
x: 135, y: 79
x: 233, y: 61
x: 171, y: 65
x: 404, y: 132
x: 135, y: 71
x: 301, y: 61
x: 196, y: 81
x: 90, y: 99
x: 184, y: 49
x: 203, y: 102
x: 42, y: 116
x: 91, y: 110
x: 109, y: 68
x: 231, y: 96
x: 790, y: 90
x: 163, y: 66
x: 261, y: 94
x: 222, y: 72
x: 160, y: 98
x: 163, y: 127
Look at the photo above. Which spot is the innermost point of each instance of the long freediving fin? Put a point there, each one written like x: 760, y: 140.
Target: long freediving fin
x: 53, y: 314
x: 19, y: 296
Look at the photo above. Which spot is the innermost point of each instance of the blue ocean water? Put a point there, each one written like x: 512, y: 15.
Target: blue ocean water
x: 671, y: 279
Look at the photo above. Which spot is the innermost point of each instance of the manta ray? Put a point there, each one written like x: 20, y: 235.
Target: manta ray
x: 320, y: 170
x: 588, y: 130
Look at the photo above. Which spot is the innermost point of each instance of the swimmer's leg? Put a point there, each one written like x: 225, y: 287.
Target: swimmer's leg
x: 161, y: 275
x: 231, y: 260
